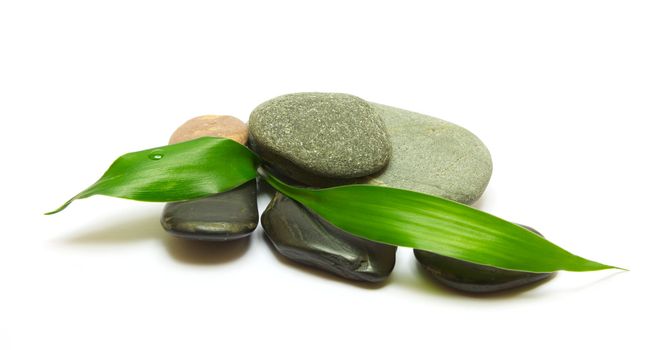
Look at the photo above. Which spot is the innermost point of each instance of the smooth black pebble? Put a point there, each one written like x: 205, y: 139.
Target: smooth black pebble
x: 475, y: 278
x: 220, y: 217
x: 303, y: 236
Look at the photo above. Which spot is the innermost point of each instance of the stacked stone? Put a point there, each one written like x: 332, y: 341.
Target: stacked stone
x: 223, y: 216
x: 328, y: 139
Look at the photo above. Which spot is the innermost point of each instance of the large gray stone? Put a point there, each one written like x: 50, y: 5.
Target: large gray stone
x: 433, y: 156
x: 313, y: 136
x: 221, y: 217
x: 302, y: 236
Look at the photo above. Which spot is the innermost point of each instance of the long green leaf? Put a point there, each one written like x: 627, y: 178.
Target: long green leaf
x: 411, y: 219
x: 177, y: 172
x: 206, y: 166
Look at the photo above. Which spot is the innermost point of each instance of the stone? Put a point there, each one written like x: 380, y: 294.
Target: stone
x: 304, y: 237
x: 223, y: 216
x: 312, y: 136
x: 433, y: 156
x: 211, y: 125
x: 220, y: 217
x: 475, y: 278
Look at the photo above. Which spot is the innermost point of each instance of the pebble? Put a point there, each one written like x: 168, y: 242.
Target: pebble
x: 211, y: 125
x: 304, y: 237
x: 433, y: 156
x: 312, y: 136
x: 220, y: 217
x: 223, y: 216
x: 475, y: 278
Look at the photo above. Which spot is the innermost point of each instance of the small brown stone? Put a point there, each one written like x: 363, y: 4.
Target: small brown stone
x: 211, y: 125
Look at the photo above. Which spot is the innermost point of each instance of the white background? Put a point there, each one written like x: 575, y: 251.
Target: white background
x: 571, y: 97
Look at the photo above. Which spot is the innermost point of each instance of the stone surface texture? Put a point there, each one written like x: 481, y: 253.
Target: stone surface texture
x: 433, y: 156
x: 211, y: 125
x: 220, y: 217
x: 309, y: 136
x: 302, y: 236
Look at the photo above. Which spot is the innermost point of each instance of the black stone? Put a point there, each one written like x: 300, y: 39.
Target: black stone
x: 303, y: 236
x: 220, y: 217
x: 475, y: 278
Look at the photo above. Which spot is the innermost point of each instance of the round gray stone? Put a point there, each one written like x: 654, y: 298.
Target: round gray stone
x: 311, y: 136
x: 433, y: 156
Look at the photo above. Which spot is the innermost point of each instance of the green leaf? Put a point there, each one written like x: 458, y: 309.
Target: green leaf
x: 176, y: 172
x: 208, y: 165
x: 416, y: 220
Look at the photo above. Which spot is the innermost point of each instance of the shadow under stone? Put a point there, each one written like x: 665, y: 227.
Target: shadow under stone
x: 147, y: 227
x: 130, y: 230
x: 205, y: 252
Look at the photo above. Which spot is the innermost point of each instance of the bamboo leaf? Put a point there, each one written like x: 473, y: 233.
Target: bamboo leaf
x: 208, y: 165
x: 416, y: 220
x: 176, y: 172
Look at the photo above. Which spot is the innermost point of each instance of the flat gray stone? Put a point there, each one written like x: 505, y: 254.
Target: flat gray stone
x: 311, y: 136
x: 475, y: 278
x: 221, y: 217
x: 302, y: 236
x: 433, y: 156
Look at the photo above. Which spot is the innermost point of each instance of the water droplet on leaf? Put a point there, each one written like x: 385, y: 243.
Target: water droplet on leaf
x: 155, y: 155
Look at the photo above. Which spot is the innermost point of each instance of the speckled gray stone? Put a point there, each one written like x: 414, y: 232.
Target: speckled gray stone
x: 475, y: 278
x: 309, y: 136
x: 221, y: 217
x: 302, y: 236
x: 433, y: 156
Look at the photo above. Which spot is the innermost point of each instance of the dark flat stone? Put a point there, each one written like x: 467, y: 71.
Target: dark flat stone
x: 475, y: 278
x: 302, y: 236
x: 221, y: 217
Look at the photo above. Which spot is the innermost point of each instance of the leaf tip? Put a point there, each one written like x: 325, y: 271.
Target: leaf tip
x: 60, y: 209
x: 589, y: 265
